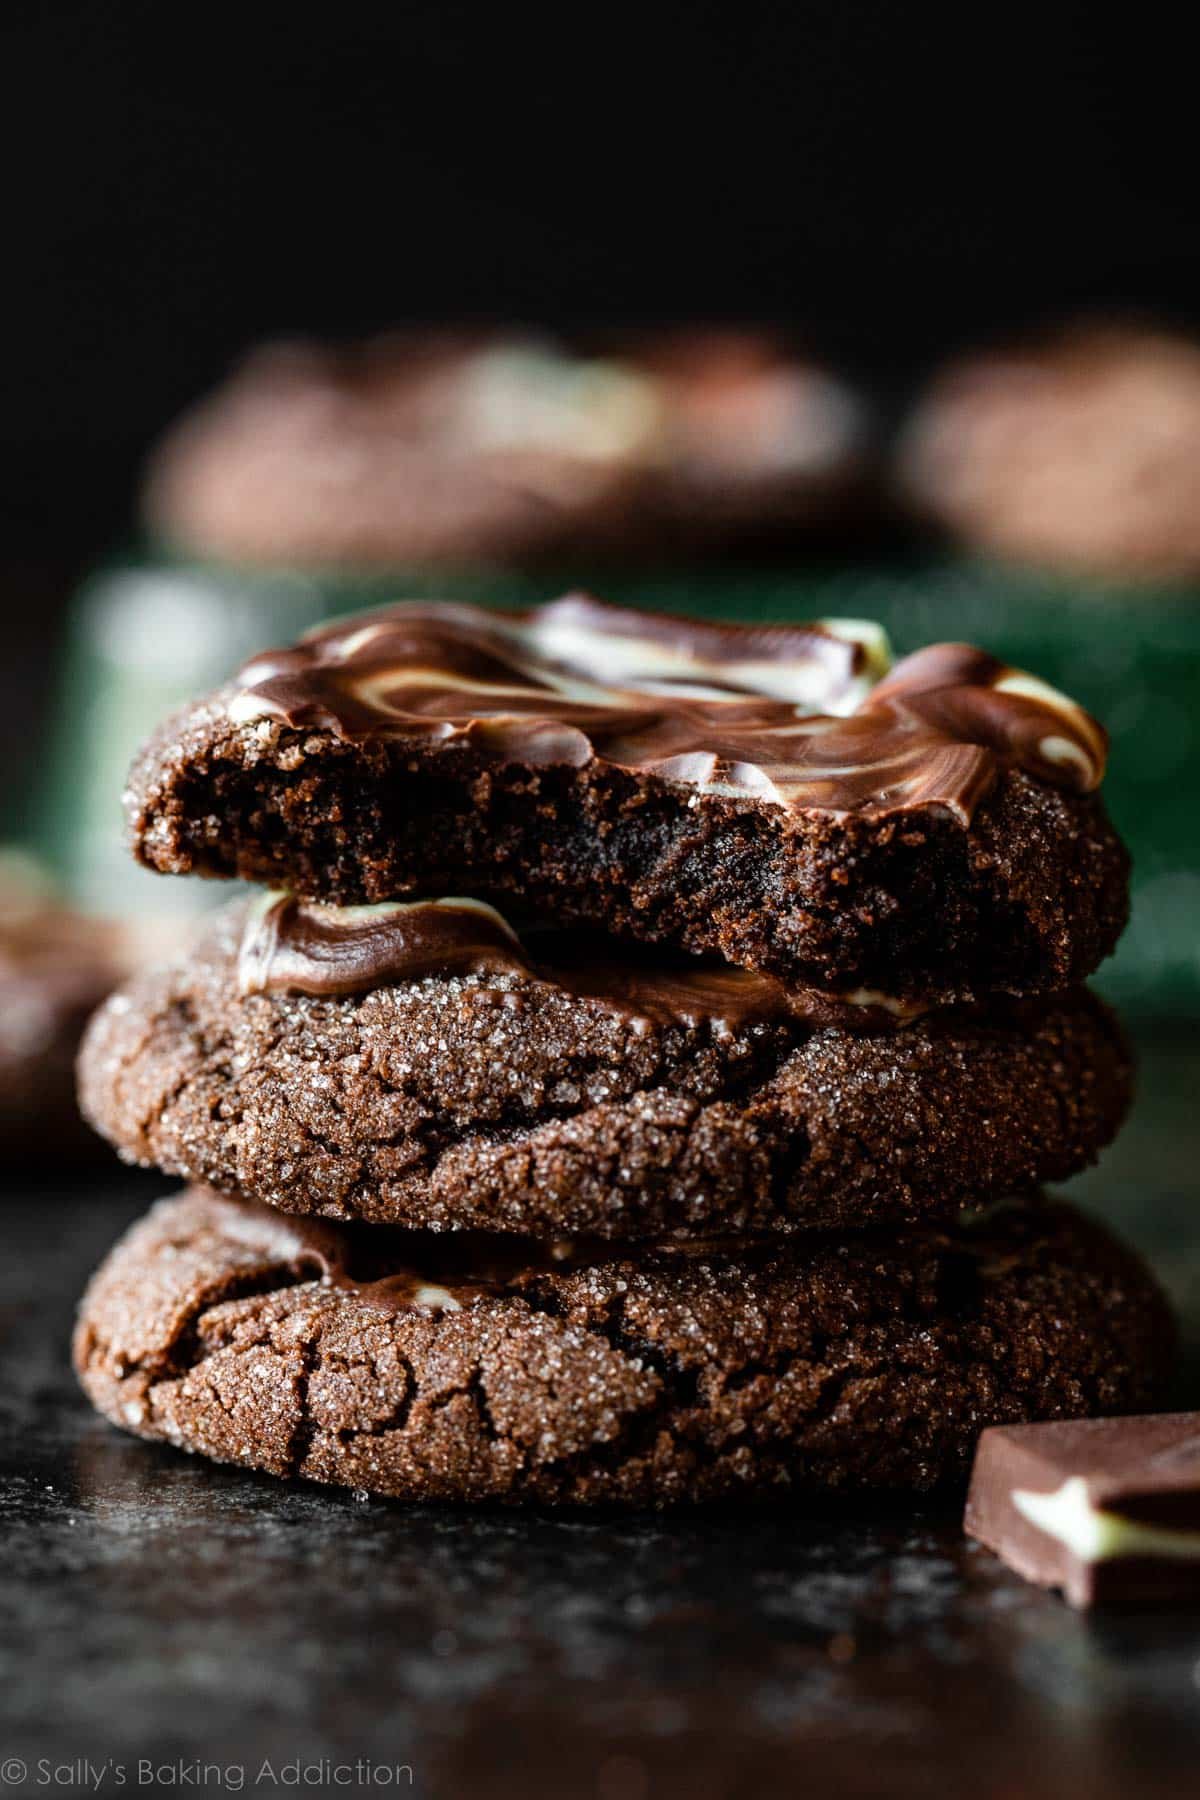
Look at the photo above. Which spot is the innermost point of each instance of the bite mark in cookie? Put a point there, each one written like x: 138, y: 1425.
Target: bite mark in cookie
x: 747, y: 792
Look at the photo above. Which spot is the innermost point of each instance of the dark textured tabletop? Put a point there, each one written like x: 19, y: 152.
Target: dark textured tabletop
x: 168, y: 1625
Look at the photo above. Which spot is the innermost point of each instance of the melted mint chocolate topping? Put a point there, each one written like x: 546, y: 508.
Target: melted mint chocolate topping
x: 396, y: 1269
x: 293, y: 946
x: 793, y: 715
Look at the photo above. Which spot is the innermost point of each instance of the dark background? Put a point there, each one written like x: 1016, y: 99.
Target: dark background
x: 893, y: 179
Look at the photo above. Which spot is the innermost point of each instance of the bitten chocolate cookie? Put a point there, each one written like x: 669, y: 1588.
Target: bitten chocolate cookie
x: 760, y: 794
x: 434, y: 1368
x: 419, y: 1064
x: 452, y: 448
x: 1080, y: 451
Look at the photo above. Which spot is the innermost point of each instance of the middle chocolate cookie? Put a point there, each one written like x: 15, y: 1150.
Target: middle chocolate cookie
x: 429, y: 1065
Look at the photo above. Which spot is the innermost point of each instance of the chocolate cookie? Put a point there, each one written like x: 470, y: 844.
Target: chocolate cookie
x: 1080, y: 451
x: 452, y: 448
x: 55, y: 968
x: 418, y: 1064
x: 758, y: 443
x: 755, y: 793
x: 434, y: 1368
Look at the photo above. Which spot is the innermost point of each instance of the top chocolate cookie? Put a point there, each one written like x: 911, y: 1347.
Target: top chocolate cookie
x: 774, y: 795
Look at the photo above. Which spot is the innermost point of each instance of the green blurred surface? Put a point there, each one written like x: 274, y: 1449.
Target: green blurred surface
x: 148, y: 632
x: 1145, y: 1185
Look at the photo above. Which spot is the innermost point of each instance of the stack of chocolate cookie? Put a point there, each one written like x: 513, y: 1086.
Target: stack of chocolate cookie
x: 635, y: 1080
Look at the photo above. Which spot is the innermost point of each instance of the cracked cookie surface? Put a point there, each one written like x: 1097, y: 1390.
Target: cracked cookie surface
x: 511, y: 1101
x: 471, y: 1368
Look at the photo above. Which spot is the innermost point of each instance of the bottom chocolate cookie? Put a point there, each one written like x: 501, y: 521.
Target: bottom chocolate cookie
x: 464, y: 1367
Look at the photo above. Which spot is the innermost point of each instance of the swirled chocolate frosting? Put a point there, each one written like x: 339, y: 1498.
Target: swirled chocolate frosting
x: 307, y: 947
x: 291, y: 946
x: 800, y: 716
x: 394, y: 1269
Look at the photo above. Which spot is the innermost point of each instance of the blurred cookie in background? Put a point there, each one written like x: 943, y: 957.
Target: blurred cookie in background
x: 1077, y: 451
x: 760, y: 443
x: 409, y: 448
x: 56, y: 966
x: 444, y: 448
